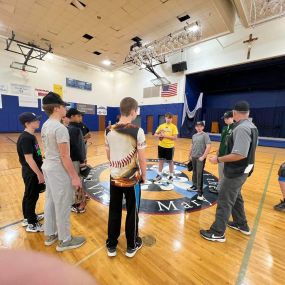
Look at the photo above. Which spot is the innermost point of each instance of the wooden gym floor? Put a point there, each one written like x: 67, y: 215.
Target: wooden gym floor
x: 180, y: 255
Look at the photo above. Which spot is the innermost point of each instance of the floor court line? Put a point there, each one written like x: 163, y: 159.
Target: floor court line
x: 249, y: 247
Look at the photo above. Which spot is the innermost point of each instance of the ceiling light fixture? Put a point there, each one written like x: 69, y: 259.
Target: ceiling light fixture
x: 107, y: 62
x: 155, y: 52
x: 197, y: 50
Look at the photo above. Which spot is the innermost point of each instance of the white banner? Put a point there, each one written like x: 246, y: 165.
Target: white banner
x: 20, y: 89
x: 0, y: 101
x: 3, y: 88
x: 28, y: 101
x: 101, y: 110
x: 187, y: 112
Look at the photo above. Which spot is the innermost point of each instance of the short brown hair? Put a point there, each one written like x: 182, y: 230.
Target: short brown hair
x: 127, y: 105
x: 49, y: 109
x: 168, y: 115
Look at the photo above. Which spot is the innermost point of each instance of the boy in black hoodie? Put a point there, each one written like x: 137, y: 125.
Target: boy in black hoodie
x: 77, y: 154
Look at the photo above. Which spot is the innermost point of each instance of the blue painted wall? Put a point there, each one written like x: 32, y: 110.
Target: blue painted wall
x: 11, y: 110
x: 151, y: 110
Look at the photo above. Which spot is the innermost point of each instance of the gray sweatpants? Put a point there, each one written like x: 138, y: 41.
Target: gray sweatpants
x: 230, y: 202
x: 221, y: 175
x: 197, y: 175
x: 58, y: 200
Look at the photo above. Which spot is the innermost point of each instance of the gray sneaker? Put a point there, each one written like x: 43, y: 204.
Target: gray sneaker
x: 75, y: 242
x: 51, y: 239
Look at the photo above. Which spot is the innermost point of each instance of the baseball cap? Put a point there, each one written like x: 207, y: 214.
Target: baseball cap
x: 73, y: 112
x: 200, y: 123
x: 228, y: 114
x: 53, y: 98
x: 27, y: 117
x: 241, y: 106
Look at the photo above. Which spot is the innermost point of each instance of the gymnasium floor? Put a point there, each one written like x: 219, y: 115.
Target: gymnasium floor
x: 180, y: 255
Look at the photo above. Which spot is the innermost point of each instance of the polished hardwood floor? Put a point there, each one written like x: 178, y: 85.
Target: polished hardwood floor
x: 180, y: 255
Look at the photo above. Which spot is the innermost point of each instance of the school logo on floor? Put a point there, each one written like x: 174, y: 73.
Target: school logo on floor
x: 161, y: 197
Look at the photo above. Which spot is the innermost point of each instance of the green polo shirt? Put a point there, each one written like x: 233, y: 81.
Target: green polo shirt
x: 226, y: 131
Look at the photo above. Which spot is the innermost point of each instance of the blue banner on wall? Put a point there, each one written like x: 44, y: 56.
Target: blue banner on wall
x: 78, y: 84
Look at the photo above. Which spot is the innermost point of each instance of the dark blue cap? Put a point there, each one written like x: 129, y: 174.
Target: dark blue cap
x: 28, y: 117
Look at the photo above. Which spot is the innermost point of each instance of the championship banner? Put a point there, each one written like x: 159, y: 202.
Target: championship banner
x: 57, y: 88
x: 86, y: 108
x: 41, y: 92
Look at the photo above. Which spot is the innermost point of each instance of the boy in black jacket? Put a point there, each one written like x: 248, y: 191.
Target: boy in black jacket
x: 31, y: 160
x: 77, y: 154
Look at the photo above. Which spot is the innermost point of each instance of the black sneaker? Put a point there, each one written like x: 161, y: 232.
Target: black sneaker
x: 131, y: 252
x: 170, y: 179
x: 157, y: 178
x: 111, y: 251
x: 281, y: 206
x: 210, y: 235
x: 192, y: 188
x: 243, y: 229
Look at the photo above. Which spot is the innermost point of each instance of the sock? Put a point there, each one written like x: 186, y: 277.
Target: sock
x: 171, y: 174
x: 159, y: 173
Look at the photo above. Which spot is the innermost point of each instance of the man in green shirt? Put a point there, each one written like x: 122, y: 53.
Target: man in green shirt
x: 226, y: 131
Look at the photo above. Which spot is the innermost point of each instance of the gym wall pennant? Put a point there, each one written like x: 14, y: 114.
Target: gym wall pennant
x: 57, y: 88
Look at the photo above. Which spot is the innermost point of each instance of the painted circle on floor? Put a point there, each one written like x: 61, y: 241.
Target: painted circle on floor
x: 162, y: 197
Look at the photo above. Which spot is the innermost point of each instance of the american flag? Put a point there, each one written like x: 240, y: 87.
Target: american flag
x: 169, y: 90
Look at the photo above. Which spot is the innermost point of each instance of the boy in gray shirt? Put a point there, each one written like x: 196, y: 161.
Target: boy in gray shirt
x: 201, y: 146
x: 60, y: 176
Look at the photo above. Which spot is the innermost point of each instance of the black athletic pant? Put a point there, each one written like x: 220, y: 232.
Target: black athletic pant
x: 115, y: 216
x: 30, y: 198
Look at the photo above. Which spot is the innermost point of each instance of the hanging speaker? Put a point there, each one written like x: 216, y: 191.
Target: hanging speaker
x: 179, y: 66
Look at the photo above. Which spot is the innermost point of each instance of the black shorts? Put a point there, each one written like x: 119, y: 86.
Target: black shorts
x: 165, y: 153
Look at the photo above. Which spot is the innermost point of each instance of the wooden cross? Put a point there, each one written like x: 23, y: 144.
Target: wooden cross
x: 249, y: 41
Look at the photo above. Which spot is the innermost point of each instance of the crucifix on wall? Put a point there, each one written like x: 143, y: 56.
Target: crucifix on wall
x: 249, y: 42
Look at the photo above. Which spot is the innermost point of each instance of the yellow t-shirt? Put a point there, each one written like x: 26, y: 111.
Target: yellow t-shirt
x: 169, y: 130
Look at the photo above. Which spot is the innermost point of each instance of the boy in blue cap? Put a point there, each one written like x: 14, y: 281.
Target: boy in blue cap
x: 31, y: 160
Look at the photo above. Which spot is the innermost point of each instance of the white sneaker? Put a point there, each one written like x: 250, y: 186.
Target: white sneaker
x: 24, y: 222
x: 200, y: 198
x: 40, y: 217
x: 34, y: 228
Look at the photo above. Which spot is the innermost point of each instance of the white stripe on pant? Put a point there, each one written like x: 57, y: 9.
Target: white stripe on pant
x: 58, y: 201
